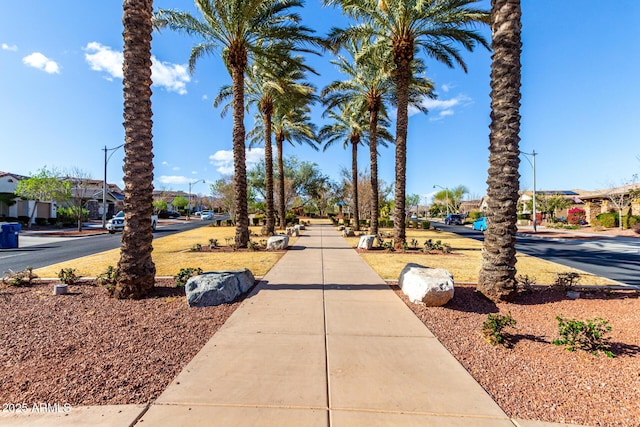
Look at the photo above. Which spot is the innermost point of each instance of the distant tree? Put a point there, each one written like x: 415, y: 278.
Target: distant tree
x: 450, y: 198
x: 180, y: 202
x: 45, y: 186
x: 622, y: 198
x: 224, y: 190
x: 412, y: 200
x: 159, y: 205
x: 80, y: 192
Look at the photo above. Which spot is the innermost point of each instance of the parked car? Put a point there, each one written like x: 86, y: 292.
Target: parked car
x: 453, y: 219
x: 168, y: 214
x: 116, y: 223
x: 206, y: 215
x: 480, y: 224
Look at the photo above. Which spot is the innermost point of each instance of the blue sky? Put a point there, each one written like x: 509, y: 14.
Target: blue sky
x: 61, y: 100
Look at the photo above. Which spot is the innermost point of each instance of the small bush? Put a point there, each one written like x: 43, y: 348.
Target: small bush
x: 197, y: 247
x: 588, y: 335
x: 473, y: 215
x: 426, y: 225
x: 185, y: 274
x: 493, y: 328
x: 19, y: 278
x: 414, y: 224
x: 576, y: 216
x: 107, y: 278
x: 566, y: 281
x: 68, y: 276
x: 608, y: 219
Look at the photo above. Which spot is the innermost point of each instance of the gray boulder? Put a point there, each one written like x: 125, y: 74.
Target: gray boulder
x: 423, y: 285
x: 277, y: 243
x: 218, y: 287
x: 300, y: 226
x: 293, y: 231
x: 348, y: 233
x: 366, y: 241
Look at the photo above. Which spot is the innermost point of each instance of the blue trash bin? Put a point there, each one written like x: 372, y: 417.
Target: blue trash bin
x: 9, y: 235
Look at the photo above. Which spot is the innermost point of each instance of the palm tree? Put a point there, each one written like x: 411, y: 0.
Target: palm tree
x: 291, y: 122
x: 265, y: 88
x: 404, y: 27
x: 350, y: 126
x: 245, y: 31
x: 136, y: 271
x: 497, y: 275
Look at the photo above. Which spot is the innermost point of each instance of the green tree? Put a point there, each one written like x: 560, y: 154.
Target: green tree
x: 404, y: 28
x: 223, y: 190
x: 497, y: 279
x: 451, y: 198
x: 180, y: 202
x: 135, y: 273
x: 412, y: 200
x: 245, y: 31
x: 159, y: 205
x: 45, y: 186
x: 81, y: 192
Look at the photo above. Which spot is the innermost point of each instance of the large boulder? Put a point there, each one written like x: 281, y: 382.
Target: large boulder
x: 218, y: 287
x: 429, y: 286
x: 300, y: 226
x: 278, y: 242
x: 293, y: 231
x: 366, y: 241
x: 347, y: 232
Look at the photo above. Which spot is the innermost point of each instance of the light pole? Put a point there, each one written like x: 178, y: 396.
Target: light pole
x: 104, y: 183
x: 446, y: 189
x: 189, y: 208
x: 533, y: 155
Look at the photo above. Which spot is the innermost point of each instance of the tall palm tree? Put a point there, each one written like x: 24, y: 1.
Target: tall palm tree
x: 265, y: 88
x: 497, y: 275
x: 245, y: 32
x: 136, y: 271
x: 405, y: 27
x: 349, y: 126
x: 292, y: 123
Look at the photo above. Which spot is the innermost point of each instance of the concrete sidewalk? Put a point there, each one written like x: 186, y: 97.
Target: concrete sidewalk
x: 322, y: 341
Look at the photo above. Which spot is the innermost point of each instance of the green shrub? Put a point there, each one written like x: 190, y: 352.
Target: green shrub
x: 19, y: 278
x: 588, y: 335
x: 523, y: 216
x: 185, y: 274
x: 493, y: 328
x: 426, y: 225
x: 414, y: 224
x: 473, y: 215
x: 68, y: 276
x: 608, y: 219
x: 566, y: 281
x: 107, y: 278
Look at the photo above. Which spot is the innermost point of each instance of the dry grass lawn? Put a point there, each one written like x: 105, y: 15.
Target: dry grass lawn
x: 465, y: 260
x: 171, y: 253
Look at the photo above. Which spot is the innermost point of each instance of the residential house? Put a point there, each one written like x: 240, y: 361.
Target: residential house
x: 626, y: 197
x: 573, y: 196
x: 15, y: 207
x: 89, y: 193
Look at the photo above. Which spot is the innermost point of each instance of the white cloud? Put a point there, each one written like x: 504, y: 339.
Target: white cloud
x: 12, y: 47
x: 173, y: 77
x: 175, y: 168
x: 173, y: 179
x: 441, y: 108
x: 41, y: 62
x: 205, y: 97
x: 165, y: 163
x: 103, y: 58
x: 223, y: 159
x: 194, y: 172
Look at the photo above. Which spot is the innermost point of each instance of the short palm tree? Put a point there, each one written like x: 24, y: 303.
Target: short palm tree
x: 405, y: 27
x: 245, y: 32
x: 136, y: 271
x: 497, y: 275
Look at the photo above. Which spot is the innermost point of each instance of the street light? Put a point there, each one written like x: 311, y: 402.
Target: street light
x: 190, y: 184
x: 446, y: 189
x: 104, y: 183
x: 533, y: 155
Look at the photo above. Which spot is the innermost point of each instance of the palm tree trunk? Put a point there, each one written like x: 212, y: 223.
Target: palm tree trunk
x: 497, y: 275
x: 136, y: 271
x: 402, y: 125
x: 373, y: 158
x: 281, y: 205
x: 239, y: 158
x: 354, y: 182
x: 268, y: 166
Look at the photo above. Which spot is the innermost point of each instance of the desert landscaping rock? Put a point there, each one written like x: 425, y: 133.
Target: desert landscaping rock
x: 293, y: 231
x: 277, y: 243
x: 348, y: 233
x: 366, y: 241
x: 218, y: 287
x: 432, y: 287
